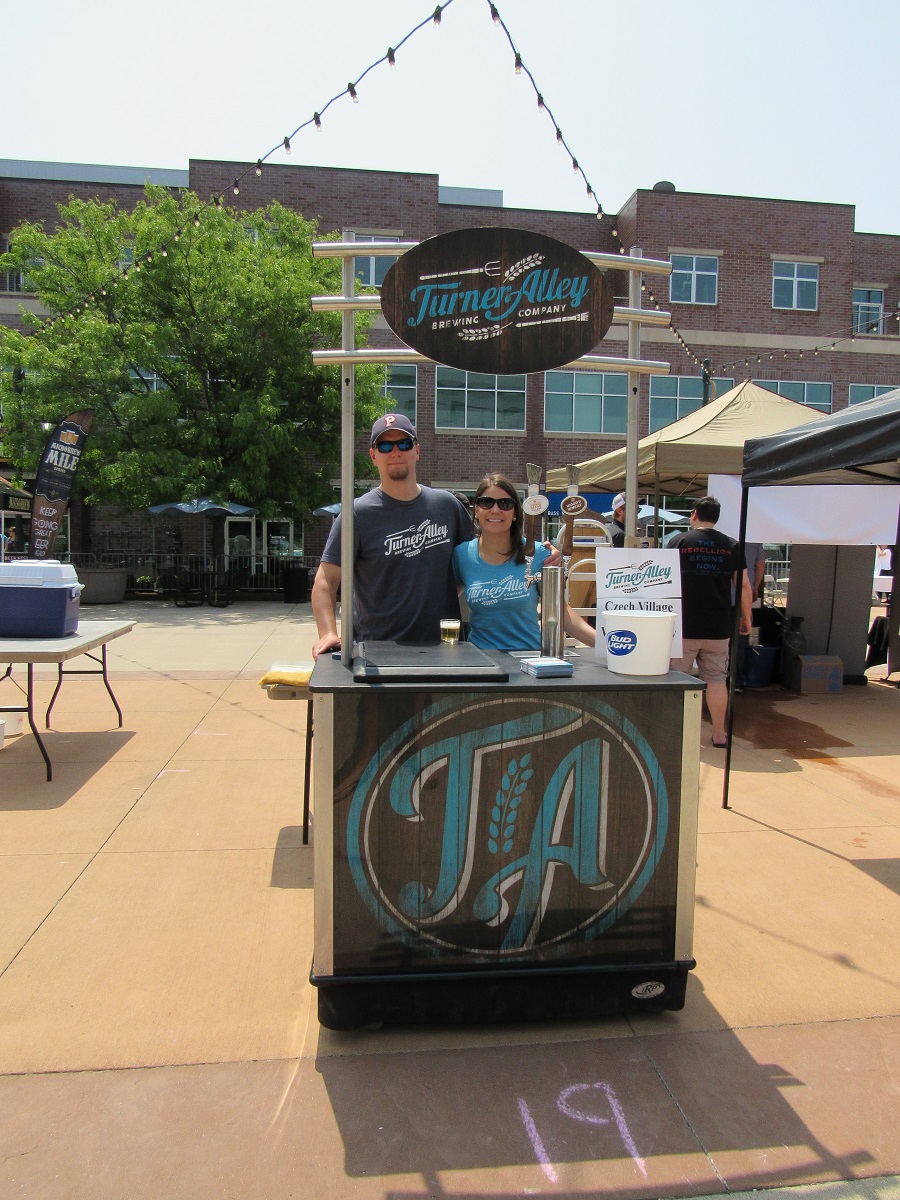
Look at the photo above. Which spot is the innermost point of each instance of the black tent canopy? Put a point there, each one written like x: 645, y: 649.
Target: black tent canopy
x: 858, y: 445
x: 861, y: 444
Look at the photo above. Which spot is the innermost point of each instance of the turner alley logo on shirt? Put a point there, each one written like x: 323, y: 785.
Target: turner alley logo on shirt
x: 488, y: 594
x: 412, y: 541
x: 496, y: 815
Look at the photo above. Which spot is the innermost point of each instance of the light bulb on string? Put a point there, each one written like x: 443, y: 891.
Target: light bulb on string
x: 317, y: 121
x: 559, y: 136
x: 236, y: 190
x: 353, y: 96
x: 437, y: 16
x: 495, y: 16
x: 287, y: 145
x: 518, y: 63
x: 258, y: 167
x: 392, y: 61
x: 540, y: 102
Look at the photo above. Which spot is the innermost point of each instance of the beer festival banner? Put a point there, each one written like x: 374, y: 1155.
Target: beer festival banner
x: 55, y: 477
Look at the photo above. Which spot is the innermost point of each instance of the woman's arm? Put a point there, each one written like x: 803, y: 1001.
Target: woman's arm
x: 577, y: 627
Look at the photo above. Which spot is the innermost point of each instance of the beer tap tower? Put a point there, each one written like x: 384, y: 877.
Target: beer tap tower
x: 534, y: 507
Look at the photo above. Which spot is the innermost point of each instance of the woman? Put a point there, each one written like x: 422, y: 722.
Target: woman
x: 492, y: 575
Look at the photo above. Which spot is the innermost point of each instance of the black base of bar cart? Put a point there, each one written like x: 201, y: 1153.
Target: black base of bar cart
x: 503, y: 851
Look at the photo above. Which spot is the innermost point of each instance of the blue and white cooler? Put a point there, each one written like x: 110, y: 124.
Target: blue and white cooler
x: 38, y: 599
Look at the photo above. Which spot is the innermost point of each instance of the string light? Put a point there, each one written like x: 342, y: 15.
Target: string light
x: 318, y: 121
x: 258, y: 167
x: 518, y: 63
x: 437, y: 16
x: 287, y: 145
x: 495, y: 16
x: 392, y: 61
x: 353, y: 96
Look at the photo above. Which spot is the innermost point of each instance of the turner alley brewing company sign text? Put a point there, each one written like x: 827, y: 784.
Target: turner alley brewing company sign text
x: 503, y: 301
x: 507, y: 828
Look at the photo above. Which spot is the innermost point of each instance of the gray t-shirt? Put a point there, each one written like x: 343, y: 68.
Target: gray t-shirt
x: 403, y: 573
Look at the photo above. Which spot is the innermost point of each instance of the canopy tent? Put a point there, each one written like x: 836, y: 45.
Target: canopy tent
x: 857, y: 445
x: 676, y: 460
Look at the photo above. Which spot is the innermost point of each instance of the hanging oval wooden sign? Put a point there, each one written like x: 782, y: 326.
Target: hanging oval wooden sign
x: 501, y: 301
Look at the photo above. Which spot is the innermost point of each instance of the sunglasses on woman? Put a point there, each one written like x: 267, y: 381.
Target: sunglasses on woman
x: 400, y: 444
x: 486, y: 502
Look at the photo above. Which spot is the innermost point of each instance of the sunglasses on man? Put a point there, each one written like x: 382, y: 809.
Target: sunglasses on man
x: 403, y: 444
x: 486, y: 502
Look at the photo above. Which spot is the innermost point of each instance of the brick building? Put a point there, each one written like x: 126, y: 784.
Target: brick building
x: 784, y: 292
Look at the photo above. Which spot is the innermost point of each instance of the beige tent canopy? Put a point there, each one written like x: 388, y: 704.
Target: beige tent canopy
x: 676, y: 460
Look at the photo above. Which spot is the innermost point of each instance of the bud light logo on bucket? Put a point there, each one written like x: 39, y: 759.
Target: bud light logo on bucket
x: 620, y: 641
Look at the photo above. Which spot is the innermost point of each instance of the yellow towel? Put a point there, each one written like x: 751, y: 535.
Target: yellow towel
x: 287, y: 675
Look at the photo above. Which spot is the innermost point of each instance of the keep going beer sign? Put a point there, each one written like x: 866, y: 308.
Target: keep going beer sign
x: 502, y: 301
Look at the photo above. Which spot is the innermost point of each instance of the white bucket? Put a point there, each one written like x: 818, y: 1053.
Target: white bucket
x: 638, y: 643
x: 14, y: 721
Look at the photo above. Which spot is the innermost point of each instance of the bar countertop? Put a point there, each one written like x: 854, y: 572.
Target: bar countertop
x: 330, y: 675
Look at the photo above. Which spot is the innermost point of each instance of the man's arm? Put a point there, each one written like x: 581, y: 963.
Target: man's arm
x: 746, y: 601
x: 324, y: 605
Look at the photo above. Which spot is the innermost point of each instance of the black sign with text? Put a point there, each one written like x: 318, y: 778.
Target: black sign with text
x: 55, y: 477
x: 501, y: 301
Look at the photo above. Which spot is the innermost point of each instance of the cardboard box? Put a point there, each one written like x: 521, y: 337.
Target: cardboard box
x: 816, y: 673
x: 38, y: 599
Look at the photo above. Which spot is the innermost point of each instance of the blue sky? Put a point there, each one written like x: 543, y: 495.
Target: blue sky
x: 793, y: 99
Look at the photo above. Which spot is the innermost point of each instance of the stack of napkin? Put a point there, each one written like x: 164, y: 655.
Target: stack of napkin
x: 543, y: 668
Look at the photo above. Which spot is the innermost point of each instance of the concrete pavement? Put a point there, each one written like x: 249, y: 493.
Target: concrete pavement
x: 158, y: 1035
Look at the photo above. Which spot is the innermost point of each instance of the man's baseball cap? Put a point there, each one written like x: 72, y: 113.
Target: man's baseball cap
x: 391, y: 421
x: 619, y: 501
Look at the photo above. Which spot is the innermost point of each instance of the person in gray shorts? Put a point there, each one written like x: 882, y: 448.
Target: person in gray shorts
x: 404, y: 537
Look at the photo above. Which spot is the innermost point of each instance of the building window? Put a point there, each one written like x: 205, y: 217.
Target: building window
x: 813, y: 395
x: 694, y: 279
x: 861, y: 392
x: 399, y: 388
x: 470, y: 400
x: 868, y: 310
x: 585, y: 402
x: 10, y: 281
x: 371, y: 269
x: 795, y: 285
x: 674, y: 396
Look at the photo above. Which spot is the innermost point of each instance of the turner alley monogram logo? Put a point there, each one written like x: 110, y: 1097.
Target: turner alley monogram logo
x: 504, y: 300
x: 412, y: 541
x: 482, y: 826
x: 633, y: 578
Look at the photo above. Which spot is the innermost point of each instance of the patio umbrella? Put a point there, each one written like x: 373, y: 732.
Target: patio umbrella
x: 327, y: 510
x: 204, y: 507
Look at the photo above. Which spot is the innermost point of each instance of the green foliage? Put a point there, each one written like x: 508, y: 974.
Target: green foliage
x: 197, y: 363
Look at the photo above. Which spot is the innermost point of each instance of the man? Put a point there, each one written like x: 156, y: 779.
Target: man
x: 404, y: 537
x: 617, y: 524
x: 710, y: 563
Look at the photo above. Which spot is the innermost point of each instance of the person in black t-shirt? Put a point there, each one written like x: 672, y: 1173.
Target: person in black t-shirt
x: 710, y: 564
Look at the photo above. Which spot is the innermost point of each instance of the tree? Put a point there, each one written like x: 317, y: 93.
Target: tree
x: 188, y: 329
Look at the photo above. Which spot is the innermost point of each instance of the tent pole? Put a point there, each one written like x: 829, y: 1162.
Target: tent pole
x: 735, y: 643
x: 348, y: 463
x: 893, y: 656
x: 631, y: 435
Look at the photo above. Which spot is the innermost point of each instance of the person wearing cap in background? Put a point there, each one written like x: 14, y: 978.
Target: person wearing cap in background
x: 617, y: 524
x: 404, y: 537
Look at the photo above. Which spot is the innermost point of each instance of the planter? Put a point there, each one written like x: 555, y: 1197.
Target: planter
x: 103, y: 585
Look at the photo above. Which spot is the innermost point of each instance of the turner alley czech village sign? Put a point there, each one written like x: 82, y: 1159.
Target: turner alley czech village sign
x: 502, y: 301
